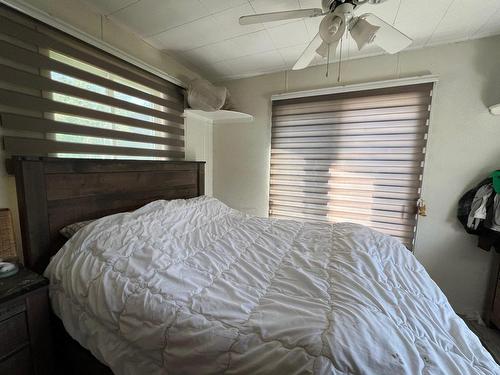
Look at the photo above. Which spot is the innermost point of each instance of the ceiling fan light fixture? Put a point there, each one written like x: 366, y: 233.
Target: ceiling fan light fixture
x: 387, y: 36
x: 363, y: 32
x: 331, y: 28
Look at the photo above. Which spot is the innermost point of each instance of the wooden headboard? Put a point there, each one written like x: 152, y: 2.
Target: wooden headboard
x: 54, y: 192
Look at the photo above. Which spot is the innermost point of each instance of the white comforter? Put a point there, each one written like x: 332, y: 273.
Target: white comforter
x: 194, y: 287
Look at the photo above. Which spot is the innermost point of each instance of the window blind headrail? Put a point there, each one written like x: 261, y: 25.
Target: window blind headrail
x: 102, y: 60
x: 35, y: 60
x: 39, y: 125
x: 371, y: 94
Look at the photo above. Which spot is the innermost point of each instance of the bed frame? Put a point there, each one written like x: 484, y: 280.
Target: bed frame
x: 53, y: 193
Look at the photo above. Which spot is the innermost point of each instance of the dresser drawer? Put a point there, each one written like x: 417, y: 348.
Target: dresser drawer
x: 495, y: 314
x: 17, y: 364
x: 14, y: 334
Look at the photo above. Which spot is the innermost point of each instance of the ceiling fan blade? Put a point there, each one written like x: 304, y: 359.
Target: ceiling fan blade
x: 309, y: 53
x: 322, y: 50
x: 280, y: 16
x: 369, y: 28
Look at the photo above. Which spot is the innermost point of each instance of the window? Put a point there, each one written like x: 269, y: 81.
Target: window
x: 73, y: 100
x: 355, y: 157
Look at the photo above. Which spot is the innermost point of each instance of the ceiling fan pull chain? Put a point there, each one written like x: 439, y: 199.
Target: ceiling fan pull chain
x: 340, y: 60
x: 327, y: 60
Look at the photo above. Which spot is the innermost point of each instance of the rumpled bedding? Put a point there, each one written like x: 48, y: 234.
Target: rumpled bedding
x: 195, y: 287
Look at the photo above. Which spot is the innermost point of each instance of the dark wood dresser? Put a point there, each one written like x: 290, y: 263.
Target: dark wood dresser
x: 25, y: 340
x: 492, y: 307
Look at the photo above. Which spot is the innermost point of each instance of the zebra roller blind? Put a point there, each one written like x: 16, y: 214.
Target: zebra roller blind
x: 355, y: 157
x: 60, y: 96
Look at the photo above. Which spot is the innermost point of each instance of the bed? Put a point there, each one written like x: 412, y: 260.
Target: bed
x: 185, y: 284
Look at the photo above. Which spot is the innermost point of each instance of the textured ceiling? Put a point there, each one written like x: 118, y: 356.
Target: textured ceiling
x: 206, y: 34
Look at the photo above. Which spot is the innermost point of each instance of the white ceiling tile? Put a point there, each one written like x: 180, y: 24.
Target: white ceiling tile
x: 107, y: 7
x: 292, y: 53
x: 221, y: 68
x: 206, y: 55
x: 490, y: 27
x: 207, y: 34
x: 267, y: 6
x: 312, y: 25
x: 416, y: 21
x: 216, y: 71
x: 306, y: 4
x: 150, y: 17
x: 256, y: 64
x: 190, y: 35
x: 215, y: 6
x: 228, y: 21
x: 240, y: 46
x: 463, y: 19
x: 247, y: 45
x: 386, y: 10
x: 289, y: 34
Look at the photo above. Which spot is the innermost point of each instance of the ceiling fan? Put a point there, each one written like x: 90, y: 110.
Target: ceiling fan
x: 338, y: 18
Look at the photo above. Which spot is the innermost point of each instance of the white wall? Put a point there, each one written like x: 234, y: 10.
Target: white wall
x: 199, y: 146
x: 80, y: 16
x: 464, y: 146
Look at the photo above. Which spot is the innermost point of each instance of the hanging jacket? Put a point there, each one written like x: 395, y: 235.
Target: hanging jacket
x: 493, y: 215
x: 479, y: 213
x: 466, y: 206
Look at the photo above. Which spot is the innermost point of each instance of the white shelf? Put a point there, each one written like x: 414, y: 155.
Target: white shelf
x: 220, y: 117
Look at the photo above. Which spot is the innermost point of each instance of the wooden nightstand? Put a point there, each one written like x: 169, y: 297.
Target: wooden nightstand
x: 25, y: 340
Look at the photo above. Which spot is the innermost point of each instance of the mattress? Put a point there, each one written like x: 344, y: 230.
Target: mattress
x: 195, y: 287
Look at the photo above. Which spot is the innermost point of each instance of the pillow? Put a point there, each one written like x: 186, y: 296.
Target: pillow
x: 69, y: 230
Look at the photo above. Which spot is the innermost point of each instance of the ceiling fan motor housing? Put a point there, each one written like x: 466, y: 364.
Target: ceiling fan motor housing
x: 331, y: 5
x: 334, y: 24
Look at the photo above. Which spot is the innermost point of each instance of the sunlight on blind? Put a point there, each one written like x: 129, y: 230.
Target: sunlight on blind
x: 355, y: 157
x: 103, y: 108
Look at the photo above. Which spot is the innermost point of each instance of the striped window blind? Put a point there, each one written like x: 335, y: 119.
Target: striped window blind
x: 355, y: 157
x: 62, y: 97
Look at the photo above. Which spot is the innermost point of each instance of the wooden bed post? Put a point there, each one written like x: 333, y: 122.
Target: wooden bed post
x: 33, y: 213
x: 201, y: 179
